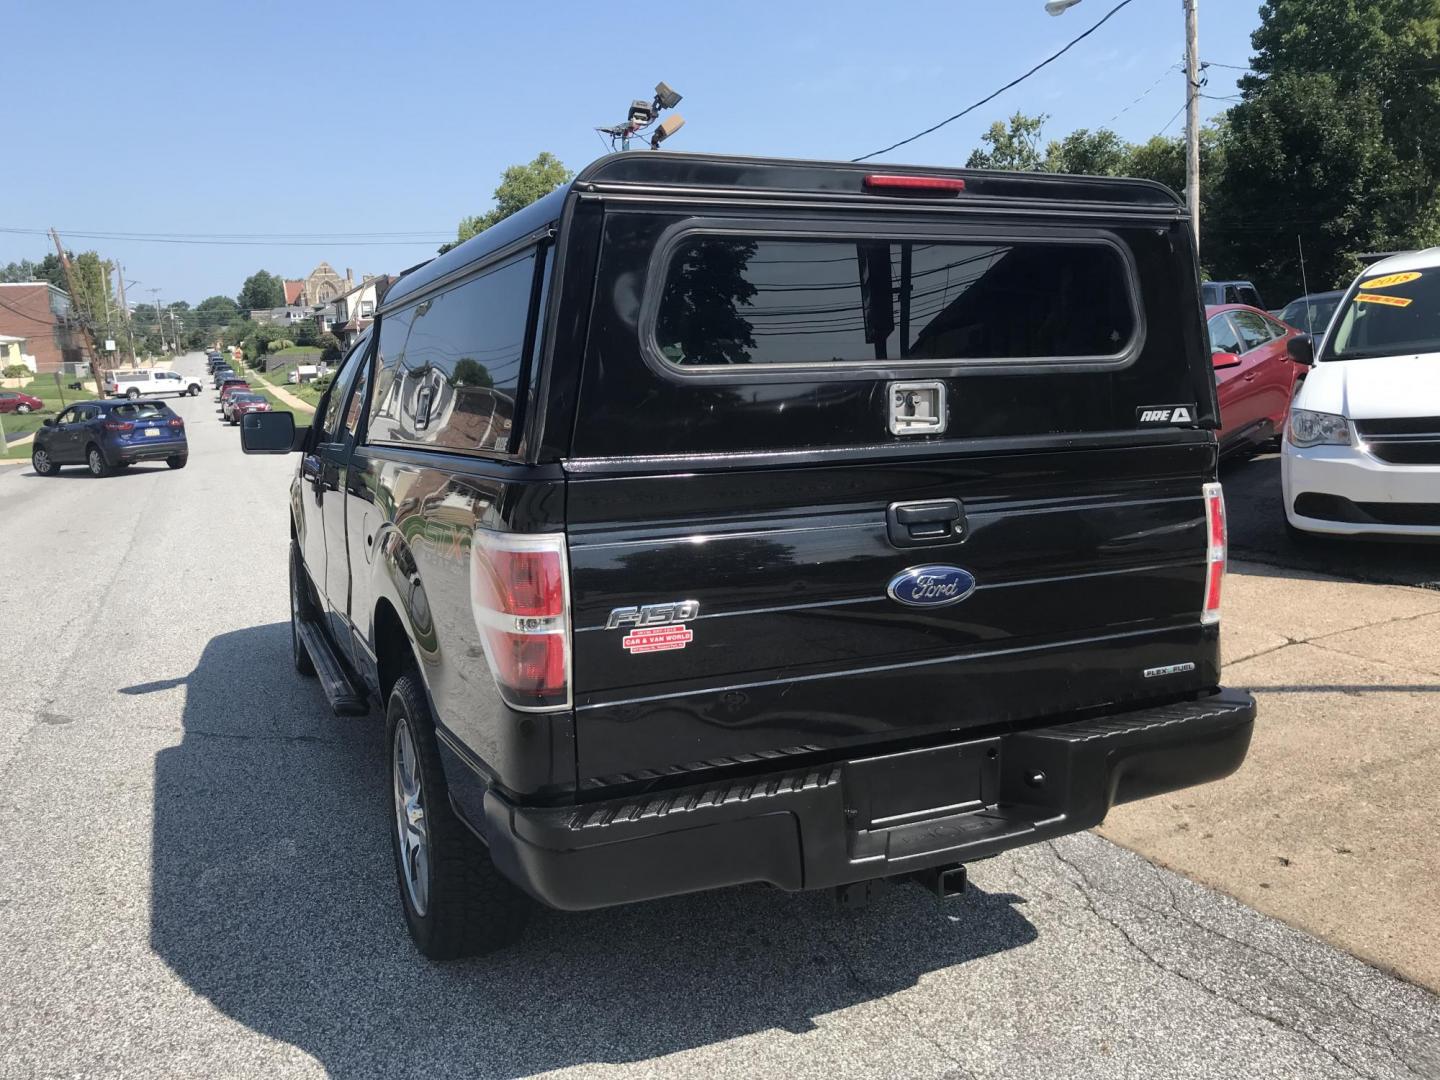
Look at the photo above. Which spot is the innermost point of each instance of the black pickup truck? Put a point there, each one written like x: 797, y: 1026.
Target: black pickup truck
x: 719, y: 520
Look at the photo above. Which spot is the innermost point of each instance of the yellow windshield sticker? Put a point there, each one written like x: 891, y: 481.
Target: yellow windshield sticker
x: 1390, y: 280
x: 1378, y: 298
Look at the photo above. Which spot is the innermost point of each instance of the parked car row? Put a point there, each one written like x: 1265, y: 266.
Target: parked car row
x: 1349, y: 383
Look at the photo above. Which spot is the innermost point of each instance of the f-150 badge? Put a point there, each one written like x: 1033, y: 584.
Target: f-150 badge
x: 931, y: 586
x: 655, y: 627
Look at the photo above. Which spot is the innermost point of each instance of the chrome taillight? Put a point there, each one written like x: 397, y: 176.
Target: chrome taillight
x: 520, y: 599
x: 1216, y: 544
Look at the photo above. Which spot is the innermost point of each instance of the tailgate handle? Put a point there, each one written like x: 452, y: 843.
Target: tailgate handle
x: 914, y: 524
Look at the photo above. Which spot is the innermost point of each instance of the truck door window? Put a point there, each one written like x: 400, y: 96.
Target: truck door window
x: 339, y: 391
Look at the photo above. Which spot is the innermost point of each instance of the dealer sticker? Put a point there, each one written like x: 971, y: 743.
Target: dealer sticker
x: 1390, y: 280
x: 657, y: 639
x: 1381, y: 298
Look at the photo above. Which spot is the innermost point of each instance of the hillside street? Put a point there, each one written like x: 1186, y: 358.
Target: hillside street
x: 198, y: 881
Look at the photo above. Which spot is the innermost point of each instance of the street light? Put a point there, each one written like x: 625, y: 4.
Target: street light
x: 1192, y: 106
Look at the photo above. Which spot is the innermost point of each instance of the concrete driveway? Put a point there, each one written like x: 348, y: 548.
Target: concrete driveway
x: 196, y: 876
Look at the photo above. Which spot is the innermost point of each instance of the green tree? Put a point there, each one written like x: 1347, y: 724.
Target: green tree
x: 1088, y: 153
x: 262, y: 289
x: 519, y: 186
x: 1335, y: 145
x: 24, y: 270
x: 470, y: 372
x: 1015, y: 146
x: 213, y: 314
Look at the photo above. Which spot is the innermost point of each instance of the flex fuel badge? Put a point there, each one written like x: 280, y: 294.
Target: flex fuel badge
x: 1391, y: 280
x: 1381, y: 298
x: 657, y: 639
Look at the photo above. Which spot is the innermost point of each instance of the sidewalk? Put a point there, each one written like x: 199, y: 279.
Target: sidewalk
x: 284, y: 395
x: 1331, y: 823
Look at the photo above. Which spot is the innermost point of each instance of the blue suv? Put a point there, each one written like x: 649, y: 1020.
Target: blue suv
x: 107, y: 436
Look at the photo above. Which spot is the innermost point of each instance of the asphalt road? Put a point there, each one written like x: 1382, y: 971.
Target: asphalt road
x: 196, y: 878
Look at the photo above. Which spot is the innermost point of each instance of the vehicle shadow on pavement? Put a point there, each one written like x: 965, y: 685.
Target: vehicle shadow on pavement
x: 273, y: 895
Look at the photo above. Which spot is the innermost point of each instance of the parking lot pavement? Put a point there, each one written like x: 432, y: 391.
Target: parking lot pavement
x: 1330, y: 824
x: 197, y: 879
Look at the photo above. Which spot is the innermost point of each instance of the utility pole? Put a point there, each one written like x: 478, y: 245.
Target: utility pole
x: 125, y: 309
x: 1192, y: 118
x: 1192, y: 106
x: 95, y: 362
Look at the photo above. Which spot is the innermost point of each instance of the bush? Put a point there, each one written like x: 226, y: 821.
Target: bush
x: 330, y: 348
x: 16, y: 371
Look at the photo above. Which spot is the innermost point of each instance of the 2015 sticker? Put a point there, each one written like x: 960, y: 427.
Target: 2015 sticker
x: 1390, y: 280
x: 657, y: 639
x: 1379, y: 298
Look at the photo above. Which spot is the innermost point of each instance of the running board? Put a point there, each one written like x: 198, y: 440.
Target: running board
x: 344, y: 698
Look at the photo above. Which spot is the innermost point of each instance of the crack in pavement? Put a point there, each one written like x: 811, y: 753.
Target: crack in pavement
x: 1086, y: 888
x: 1318, y: 638
x: 1376, y: 1022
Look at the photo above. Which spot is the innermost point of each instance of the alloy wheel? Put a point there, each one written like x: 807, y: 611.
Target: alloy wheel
x: 40, y: 459
x: 97, y: 463
x: 410, y: 822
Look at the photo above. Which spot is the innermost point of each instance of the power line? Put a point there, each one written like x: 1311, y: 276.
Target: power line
x: 991, y: 97
x: 1142, y: 97
x: 1172, y: 119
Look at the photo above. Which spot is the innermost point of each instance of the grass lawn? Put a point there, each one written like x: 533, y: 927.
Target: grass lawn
x: 55, y: 397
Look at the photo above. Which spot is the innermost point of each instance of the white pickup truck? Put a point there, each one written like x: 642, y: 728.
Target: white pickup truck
x: 150, y: 382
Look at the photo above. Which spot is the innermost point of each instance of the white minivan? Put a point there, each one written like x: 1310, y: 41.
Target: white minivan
x: 149, y: 382
x: 1361, y: 453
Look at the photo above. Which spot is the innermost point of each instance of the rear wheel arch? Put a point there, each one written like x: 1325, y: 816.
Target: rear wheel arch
x: 394, y: 652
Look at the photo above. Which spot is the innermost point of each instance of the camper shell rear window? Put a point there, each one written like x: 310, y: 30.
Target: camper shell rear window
x: 774, y: 301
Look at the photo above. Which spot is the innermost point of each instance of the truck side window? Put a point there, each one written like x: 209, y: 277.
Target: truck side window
x: 450, y: 364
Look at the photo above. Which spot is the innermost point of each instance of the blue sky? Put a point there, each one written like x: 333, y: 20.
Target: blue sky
x: 336, y: 118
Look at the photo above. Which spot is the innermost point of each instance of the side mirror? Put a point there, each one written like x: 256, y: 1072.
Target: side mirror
x: 1224, y: 360
x: 270, y: 433
x: 49, y: 421
x: 1301, y: 348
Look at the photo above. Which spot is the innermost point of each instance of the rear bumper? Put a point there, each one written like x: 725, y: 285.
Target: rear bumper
x: 148, y: 451
x: 868, y: 817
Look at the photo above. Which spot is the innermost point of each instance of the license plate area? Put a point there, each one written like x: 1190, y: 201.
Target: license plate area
x: 152, y: 432
x: 917, y: 785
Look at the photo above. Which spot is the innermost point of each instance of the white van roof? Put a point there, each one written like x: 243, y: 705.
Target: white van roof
x: 1410, y: 260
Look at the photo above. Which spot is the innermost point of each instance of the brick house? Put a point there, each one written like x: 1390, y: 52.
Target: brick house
x: 40, y: 313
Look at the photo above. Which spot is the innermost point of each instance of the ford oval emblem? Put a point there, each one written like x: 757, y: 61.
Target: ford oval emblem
x: 931, y: 586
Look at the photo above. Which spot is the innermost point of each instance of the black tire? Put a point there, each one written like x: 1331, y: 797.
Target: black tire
x: 195, y: 389
x: 132, y: 393
x: 178, y: 461
x: 95, y: 461
x: 299, y: 607
x: 467, y: 907
x: 43, y: 463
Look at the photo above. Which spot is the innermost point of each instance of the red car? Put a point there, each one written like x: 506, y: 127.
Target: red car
x: 15, y: 401
x: 228, y: 387
x: 1254, y: 375
x: 242, y: 402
